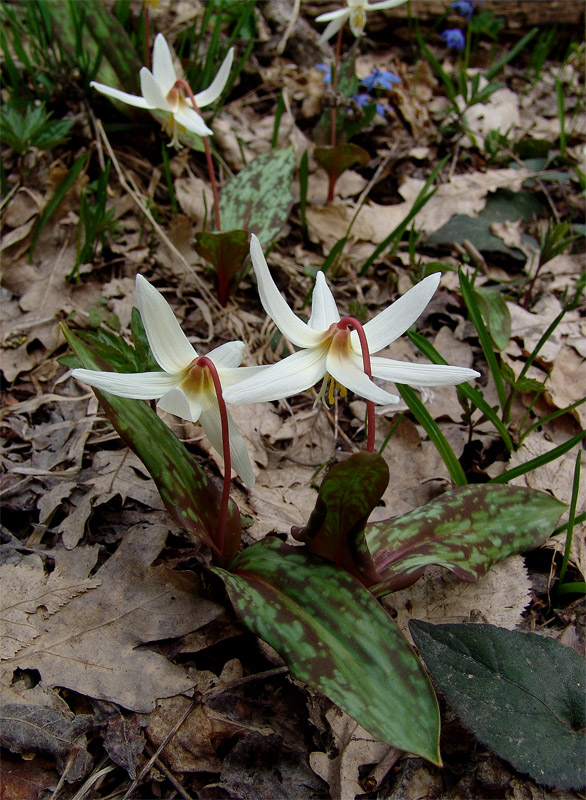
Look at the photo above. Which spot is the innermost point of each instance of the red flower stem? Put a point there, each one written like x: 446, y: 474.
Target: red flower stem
x: 370, y: 422
x: 333, y: 123
x: 182, y: 82
x: 207, y: 362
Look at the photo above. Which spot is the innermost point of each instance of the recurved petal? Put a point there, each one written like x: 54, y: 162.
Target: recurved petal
x: 231, y: 375
x: 324, y: 310
x: 216, y: 87
x: 212, y: 424
x: 191, y: 120
x: 292, y: 375
x: 385, y: 4
x: 227, y: 355
x: 334, y: 26
x: 163, y: 69
x: 151, y: 91
x: 170, y: 347
x: 348, y: 372
x: 399, y: 316
x: 135, y: 385
x: 275, y: 305
x: 414, y: 374
x: 339, y: 13
x: 131, y: 99
x: 183, y: 406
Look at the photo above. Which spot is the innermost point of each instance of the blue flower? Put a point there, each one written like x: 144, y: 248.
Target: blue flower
x: 327, y: 72
x: 454, y: 38
x: 364, y: 100
x: 463, y: 7
x: 380, y: 79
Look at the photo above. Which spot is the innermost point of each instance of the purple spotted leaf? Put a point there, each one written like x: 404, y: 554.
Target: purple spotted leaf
x: 334, y: 635
x: 260, y: 197
x: 226, y: 252
x: 336, y: 160
x: 466, y: 531
x: 189, y: 495
x: 335, y: 529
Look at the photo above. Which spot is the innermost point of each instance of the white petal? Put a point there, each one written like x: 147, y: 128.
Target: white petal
x: 135, y: 385
x: 398, y: 317
x: 170, y: 347
x: 163, y: 69
x: 178, y: 403
x: 275, y: 305
x: 385, y: 4
x: 330, y: 15
x: 333, y: 27
x: 227, y: 355
x: 231, y: 375
x: 131, y: 99
x: 151, y: 91
x: 414, y: 374
x: 324, y: 310
x: 191, y: 120
x: 292, y: 375
x: 216, y: 87
x: 212, y: 424
x: 348, y: 371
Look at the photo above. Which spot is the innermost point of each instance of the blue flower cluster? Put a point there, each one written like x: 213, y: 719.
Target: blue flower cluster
x: 463, y: 7
x: 454, y: 39
x: 378, y: 79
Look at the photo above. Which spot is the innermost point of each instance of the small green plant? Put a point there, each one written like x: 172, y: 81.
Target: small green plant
x: 31, y: 127
x: 96, y: 222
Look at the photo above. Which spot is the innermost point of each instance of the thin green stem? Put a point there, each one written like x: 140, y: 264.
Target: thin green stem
x: 182, y: 82
x: 370, y: 421
x: 207, y: 362
x: 571, y: 517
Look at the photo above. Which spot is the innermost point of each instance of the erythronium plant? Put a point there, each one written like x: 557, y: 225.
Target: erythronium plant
x: 331, y: 352
x: 162, y: 90
x: 316, y: 603
x: 355, y: 13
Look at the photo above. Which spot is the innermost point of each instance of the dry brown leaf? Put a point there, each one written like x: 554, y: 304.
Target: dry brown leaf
x: 499, y: 598
x: 113, y: 472
x: 354, y: 747
x: 94, y: 644
x: 30, y: 596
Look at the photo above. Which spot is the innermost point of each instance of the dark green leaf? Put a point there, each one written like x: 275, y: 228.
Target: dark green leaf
x: 466, y: 531
x: 521, y: 694
x: 335, y: 529
x: 226, y: 252
x: 190, y: 497
x: 336, y: 160
x: 334, y: 635
x: 259, y: 198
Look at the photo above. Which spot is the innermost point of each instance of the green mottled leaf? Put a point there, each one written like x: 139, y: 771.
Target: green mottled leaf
x: 189, y: 495
x: 335, y: 529
x: 466, y: 531
x: 521, y: 694
x: 226, y: 252
x: 336, y: 160
x: 496, y: 315
x: 335, y: 636
x: 260, y: 197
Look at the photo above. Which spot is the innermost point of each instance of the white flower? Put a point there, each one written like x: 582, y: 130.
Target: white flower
x: 159, y: 91
x: 356, y: 13
x: 332, y: 352
x: 184, y: 388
